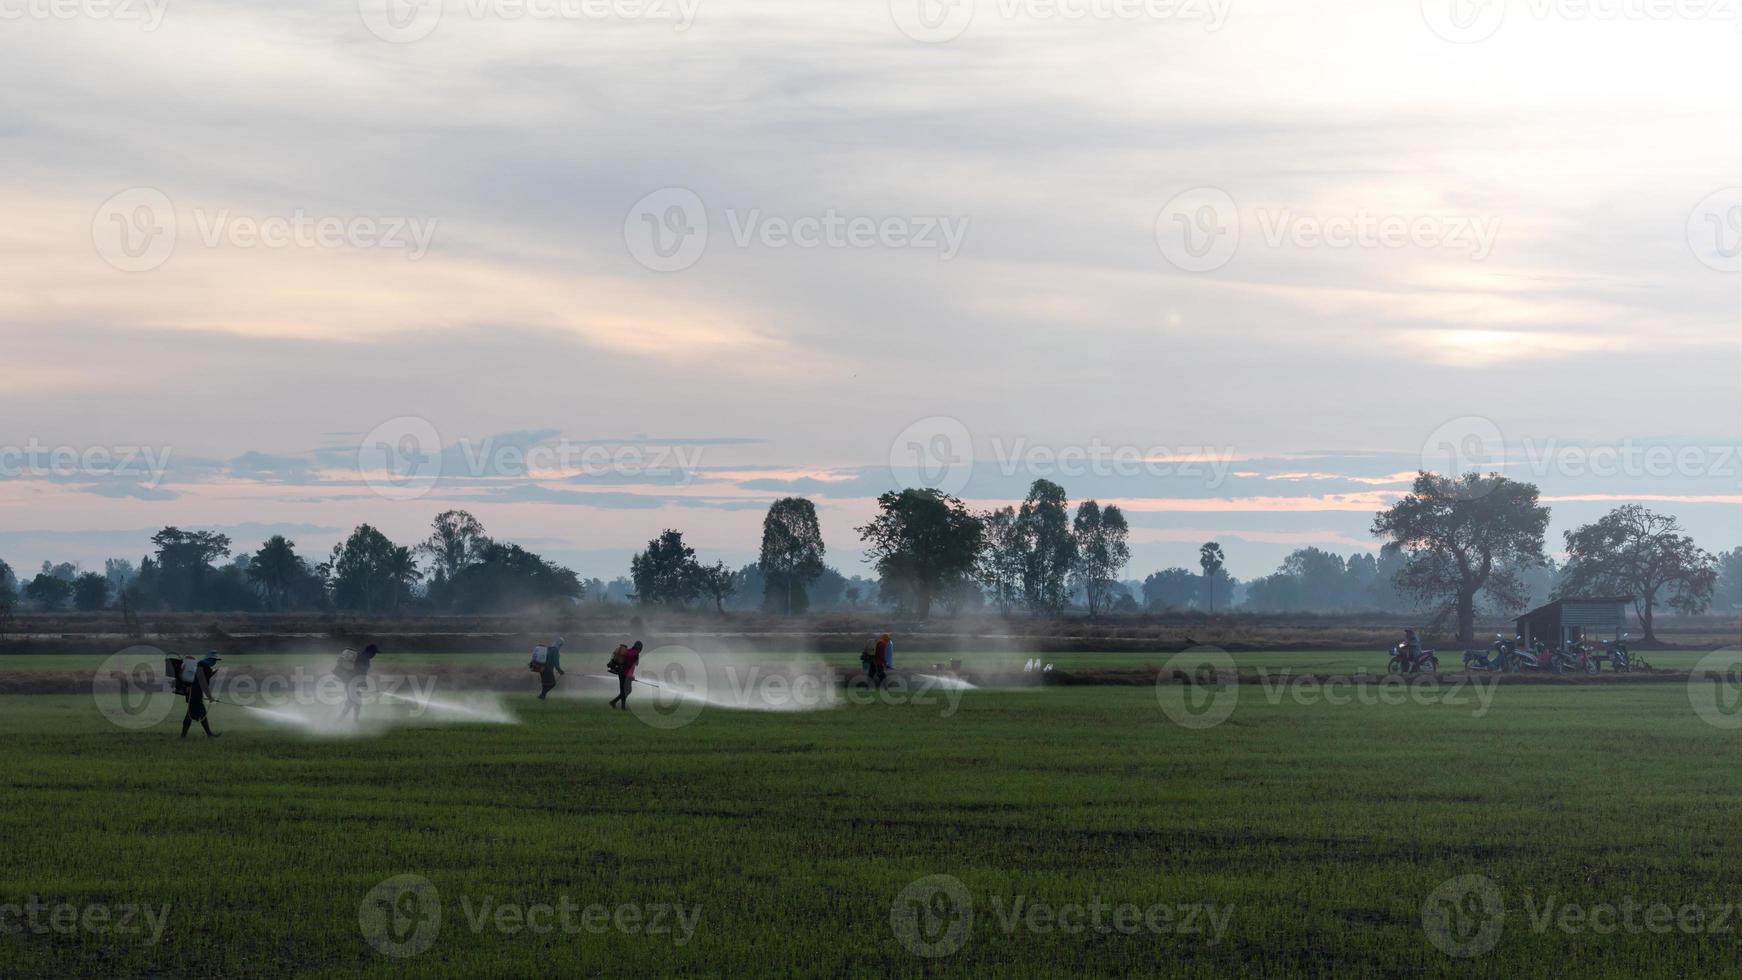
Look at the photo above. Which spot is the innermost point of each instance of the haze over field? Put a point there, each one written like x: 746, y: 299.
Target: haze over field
x: 1241, y: 268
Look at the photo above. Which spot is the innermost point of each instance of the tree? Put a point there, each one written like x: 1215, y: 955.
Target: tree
x: 1049, y: 550
x: 8, y: 584
x: 456, y: 540
x: 90, y: 592
x: 1464, y: 536
x: 923, y: 539
x: 717, y: 582
x: 1101, y: 550
x: 1727, y: 595
x: 370, y: 572
x: 120, y: 573
x: 1003, y: 557
x: 48, y: 592
x: 666, y: 573
x: 1172, y: 588
x: 507, y: 577
x: 275, y: 569
x: 792, y: 551
x: 184, y: 572
x: 1212, y: 561
x: 1633, y: 552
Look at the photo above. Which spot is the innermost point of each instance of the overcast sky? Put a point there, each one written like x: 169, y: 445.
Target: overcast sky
x: 1242, y: 267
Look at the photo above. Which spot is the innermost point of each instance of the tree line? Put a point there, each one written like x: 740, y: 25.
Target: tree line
x: 1452, y: 548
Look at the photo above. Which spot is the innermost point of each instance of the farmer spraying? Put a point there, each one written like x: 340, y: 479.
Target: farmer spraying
x: 871, y: 659
x: 354, y: 671
x: 553, y: 665
x: 199, y: 689
x: 623, y: 663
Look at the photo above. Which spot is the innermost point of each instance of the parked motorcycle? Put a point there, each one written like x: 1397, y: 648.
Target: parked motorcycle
x: 1619, y: 657
x: 1497, y: 657
x: 1575, y: 657
x: 1538, y: 657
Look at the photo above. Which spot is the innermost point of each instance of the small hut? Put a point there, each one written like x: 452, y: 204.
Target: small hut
x: 1567, y: 620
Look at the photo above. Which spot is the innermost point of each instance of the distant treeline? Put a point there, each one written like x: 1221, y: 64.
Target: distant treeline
x: 1452, y: 548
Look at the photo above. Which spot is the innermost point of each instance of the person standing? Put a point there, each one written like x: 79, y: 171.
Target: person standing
x: 553, y: 665
x: 198, y: 691
x: 357, y: 679
x: 888, y: 646
x: 627, y: 661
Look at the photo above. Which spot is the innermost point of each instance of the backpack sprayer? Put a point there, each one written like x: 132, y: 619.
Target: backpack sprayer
x: 183, y: 673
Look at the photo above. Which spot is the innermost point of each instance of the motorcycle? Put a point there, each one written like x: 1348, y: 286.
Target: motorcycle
x: 1619, y: 657
x: 1537, y: 658
x: 1572, y: 658
x: 1405, y: 661
x: 1496, y: 658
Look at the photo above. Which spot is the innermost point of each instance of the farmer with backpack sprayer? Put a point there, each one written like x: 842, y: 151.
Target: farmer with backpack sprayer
x: 354, y: 671
x: 548, y: 662
x: 624, y: 660
x: 195, y: 681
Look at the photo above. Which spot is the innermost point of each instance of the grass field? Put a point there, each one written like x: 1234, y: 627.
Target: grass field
x: 1296, y: 836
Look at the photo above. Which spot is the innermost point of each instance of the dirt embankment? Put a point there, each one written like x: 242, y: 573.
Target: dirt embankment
x: 826, y: 634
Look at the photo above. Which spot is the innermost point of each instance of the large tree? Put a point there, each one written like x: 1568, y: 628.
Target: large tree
x: 792, y: 554
x: 667, y: 573
x: 371, y: 573
x: 925, y: 540
x: 1212, y: 561
x: 90, y: 592
x: 1002, y: 558
x: 1632, y: 551
x: 1727, y: 596
x: 1464, y: 537
x: 275, y: 569
x: 456, y: 540
x: 1044, y: 523
x: 507, y: 578
x: 48, y: 592
x: 1172, y: 588
x: 185, y: 575
x: 718, y: 583
x: 1101, y: 551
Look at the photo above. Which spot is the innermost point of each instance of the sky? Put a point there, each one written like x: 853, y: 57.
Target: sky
x: 595, y: 268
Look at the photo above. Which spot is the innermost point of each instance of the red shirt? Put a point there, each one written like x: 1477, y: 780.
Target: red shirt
x: 631, y: 657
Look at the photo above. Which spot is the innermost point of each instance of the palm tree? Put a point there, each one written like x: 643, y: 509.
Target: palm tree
x: 274, y: 567
x: 400, y: 571
x: 1211, y: 560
